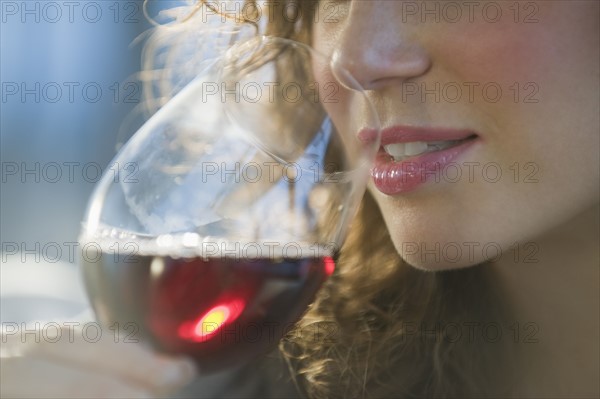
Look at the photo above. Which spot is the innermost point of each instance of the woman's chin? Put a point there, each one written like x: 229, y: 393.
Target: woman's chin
x: 439, y: 256
x: 430, y: 264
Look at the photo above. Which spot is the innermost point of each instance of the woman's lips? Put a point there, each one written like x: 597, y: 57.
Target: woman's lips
x: 417, y: 154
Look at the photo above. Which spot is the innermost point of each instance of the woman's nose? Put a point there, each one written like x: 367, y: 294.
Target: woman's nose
x: 376, y: 49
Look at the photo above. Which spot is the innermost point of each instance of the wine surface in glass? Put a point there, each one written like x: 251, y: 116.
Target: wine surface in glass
x: 220, y: 310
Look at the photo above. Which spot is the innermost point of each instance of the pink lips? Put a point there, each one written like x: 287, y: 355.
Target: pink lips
x: 397, y: 177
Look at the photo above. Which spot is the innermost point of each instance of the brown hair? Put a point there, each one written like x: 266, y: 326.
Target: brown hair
x: 379, y: 327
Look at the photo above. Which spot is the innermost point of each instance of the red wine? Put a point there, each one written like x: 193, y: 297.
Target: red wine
x: 220, y: 310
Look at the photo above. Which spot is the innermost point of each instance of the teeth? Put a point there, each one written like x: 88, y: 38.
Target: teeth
x: 415, y: 148
x: 395, y: 150
x: 399, y: 151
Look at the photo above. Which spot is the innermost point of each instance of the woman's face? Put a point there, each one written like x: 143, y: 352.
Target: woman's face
x: 499, y: 104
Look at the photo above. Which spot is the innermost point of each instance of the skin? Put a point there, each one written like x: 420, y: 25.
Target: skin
x: 64, y: 364
x: 553, y: 142
x: 547, y: 225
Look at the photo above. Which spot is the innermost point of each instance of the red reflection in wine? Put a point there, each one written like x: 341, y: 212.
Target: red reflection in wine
x: 329, y: 265
x: 207, y: 325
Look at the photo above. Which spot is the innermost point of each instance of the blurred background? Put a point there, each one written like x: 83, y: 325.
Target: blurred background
x: 70, y: 94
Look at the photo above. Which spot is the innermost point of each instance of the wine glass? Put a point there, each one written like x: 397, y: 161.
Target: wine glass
x: 237, y: 197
